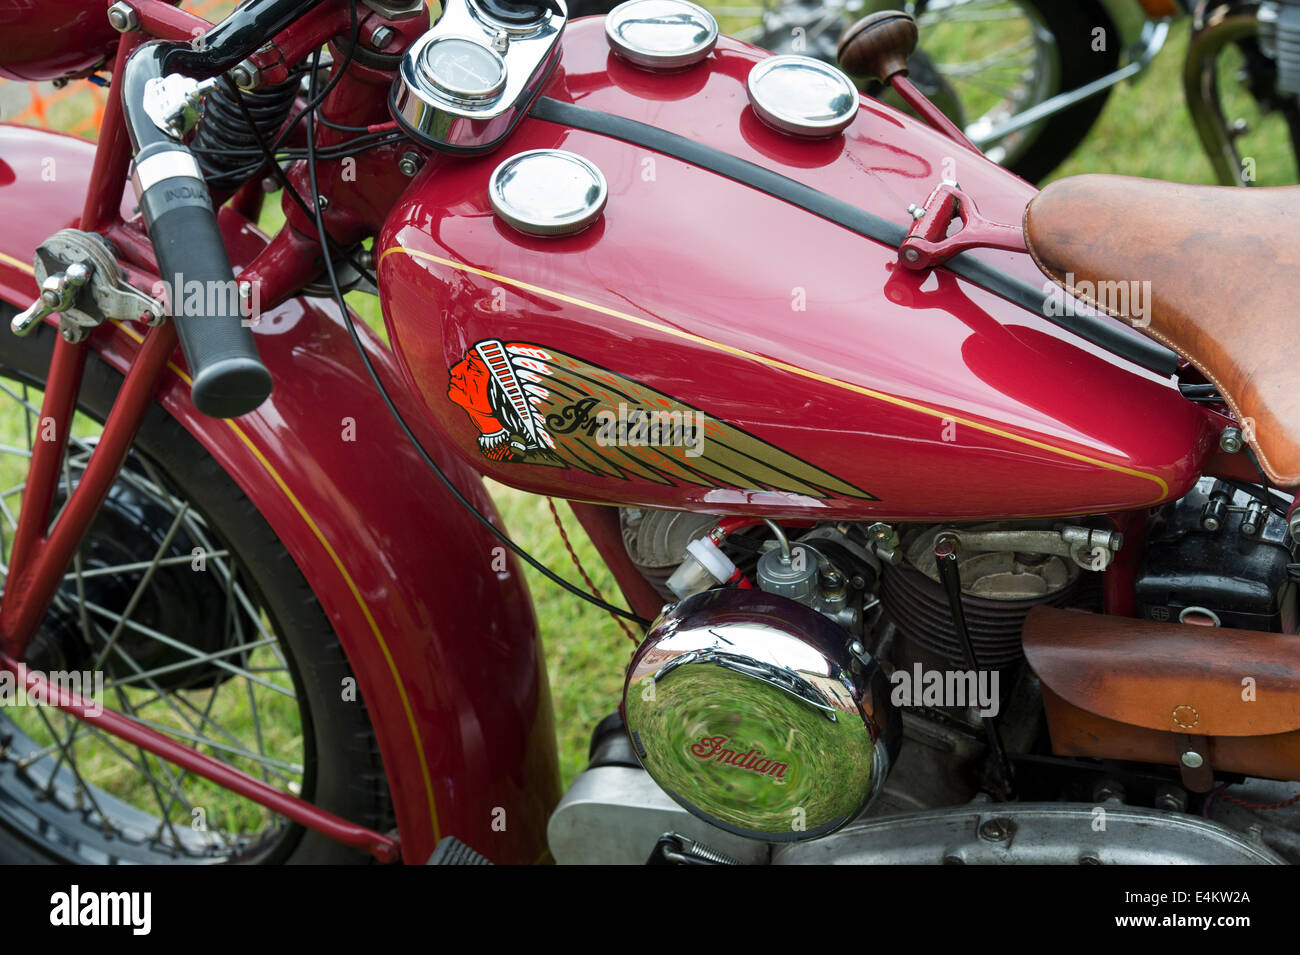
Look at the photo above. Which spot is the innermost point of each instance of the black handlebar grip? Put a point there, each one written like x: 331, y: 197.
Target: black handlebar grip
x: 229, y: 378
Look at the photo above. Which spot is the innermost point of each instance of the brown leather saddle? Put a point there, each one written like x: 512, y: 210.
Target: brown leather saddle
x: 1223, y: 267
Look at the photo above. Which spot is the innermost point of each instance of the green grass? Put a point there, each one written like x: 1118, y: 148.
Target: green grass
x: 1143, y: 131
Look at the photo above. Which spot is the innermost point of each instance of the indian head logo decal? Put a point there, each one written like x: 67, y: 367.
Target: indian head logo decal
x: 534, y: 405
x: 500, y: 392
x: 714, y: 748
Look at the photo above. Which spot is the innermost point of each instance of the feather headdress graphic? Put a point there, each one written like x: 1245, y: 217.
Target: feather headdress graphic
x: 536, y: 405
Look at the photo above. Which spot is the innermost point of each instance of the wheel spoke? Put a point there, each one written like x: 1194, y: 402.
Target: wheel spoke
x: 66, y: 755
x: 1018, y: 57
x: 170, y: 700
x: 139, y: 565
x: 165, y: 818
x: 184, y: 648
x: 190, y: 664
x: 280, y: 766
x: 139, y: 590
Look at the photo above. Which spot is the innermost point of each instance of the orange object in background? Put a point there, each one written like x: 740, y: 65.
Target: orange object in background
x: 1160, y: 8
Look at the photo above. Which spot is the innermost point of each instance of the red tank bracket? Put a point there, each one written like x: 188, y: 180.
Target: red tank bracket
x: 928, y: 243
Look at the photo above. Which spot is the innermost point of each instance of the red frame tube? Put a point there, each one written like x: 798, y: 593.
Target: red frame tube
x: 928, y: 111
x: 112, y: 155
x: 1119, y: 580
x: 39, y: 560
x: 42, y: 476
x: 381, y: 847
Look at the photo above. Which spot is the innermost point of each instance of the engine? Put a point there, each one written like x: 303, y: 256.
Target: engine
x: 815, y: 649
x: 803, y: 676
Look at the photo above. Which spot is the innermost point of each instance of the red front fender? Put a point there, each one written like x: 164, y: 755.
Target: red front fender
x: 444, y: 646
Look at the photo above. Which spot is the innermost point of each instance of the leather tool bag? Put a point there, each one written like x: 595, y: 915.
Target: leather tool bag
x: 1200, y: 698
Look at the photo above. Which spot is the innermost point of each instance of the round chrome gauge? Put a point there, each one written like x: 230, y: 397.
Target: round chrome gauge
x: 661, y: 34
x: 462, y: 70
x: 548, y: 192
x: 802, y: 96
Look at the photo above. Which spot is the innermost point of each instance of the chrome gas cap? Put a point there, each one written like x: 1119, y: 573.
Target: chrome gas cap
x: 750, y: 710
x: 661, y: 34
x: 802, y: 96
x: 548, y: 192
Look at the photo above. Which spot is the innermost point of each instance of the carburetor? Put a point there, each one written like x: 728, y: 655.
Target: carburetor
x: 802, y: 571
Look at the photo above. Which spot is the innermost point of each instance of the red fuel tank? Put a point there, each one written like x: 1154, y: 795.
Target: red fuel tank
x: 41, y: 40
x: 708, y: 345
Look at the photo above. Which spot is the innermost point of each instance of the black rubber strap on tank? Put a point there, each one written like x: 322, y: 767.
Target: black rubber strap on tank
x: 1102, y: 332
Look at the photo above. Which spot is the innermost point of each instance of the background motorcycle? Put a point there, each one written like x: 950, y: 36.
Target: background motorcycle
x: 248, y: 583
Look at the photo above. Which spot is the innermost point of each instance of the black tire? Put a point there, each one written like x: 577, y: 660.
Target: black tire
x: 342, y: 771
x: 1071, y: 25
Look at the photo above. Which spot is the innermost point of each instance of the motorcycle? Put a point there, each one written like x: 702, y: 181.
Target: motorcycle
x: 935, y: 560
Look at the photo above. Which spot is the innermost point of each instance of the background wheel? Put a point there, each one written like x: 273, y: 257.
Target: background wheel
x: 231, y: 655
x: 1002, y: 57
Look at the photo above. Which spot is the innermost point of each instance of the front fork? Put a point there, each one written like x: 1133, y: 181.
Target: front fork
x: 41, y: 554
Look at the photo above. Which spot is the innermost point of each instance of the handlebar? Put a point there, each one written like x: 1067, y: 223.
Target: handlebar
x: 228, y: 377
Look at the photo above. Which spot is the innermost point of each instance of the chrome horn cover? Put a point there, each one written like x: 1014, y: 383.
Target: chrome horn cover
x: 750, y: 711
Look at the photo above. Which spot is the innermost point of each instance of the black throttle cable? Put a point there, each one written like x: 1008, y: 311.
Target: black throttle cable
x: 326, y: 244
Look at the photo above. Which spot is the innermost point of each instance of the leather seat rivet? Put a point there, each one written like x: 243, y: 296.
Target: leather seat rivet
x: 1186, y: 716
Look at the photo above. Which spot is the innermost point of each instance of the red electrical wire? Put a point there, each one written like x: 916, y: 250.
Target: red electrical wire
x: 578, y: 563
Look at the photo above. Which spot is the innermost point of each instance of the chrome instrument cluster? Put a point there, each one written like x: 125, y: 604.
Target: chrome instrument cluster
x: 470, y: 79
x: 462, y: 71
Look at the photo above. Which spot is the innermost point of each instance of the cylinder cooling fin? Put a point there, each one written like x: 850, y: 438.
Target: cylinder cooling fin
x: 998, y: 589
x: 919, y: 608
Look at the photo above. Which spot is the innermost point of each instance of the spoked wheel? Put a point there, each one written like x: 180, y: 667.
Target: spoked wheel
x: 983, y: 62
x: 184, y: 612
x: 997, y: 59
